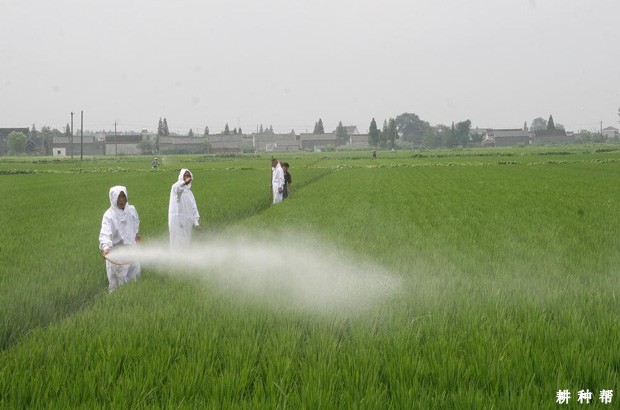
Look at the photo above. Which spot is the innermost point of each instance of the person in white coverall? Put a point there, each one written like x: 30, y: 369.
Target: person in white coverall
x: 277, y: 181
x: 182, y: 211
x: 119, y: 227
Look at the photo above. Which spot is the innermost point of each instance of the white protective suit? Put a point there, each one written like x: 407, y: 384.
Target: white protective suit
x: 119, y: 227
x: 182, y: 212
x: 277, y: 183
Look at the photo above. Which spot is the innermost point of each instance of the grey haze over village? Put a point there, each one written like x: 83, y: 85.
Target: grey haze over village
x: 287, y: 63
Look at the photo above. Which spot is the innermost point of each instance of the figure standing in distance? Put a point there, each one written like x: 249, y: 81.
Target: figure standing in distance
x: 277, y: 181
x: 182, y: 211
x: 374, y: 153
x: 288, y: 181
x: 119, y: 227
x: 155, y: 163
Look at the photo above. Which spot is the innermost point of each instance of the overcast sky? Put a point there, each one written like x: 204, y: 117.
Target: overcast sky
x: 288, y: 63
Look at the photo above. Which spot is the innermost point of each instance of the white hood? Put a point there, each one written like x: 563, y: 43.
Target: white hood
x: 189, y: 186
x: 115, y: 191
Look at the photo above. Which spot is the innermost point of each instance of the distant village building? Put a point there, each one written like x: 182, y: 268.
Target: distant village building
x: 506, y: 138
x: 316, y: 142
x: 478, y: 130
x: 275, y: 142
x: 611, y: 132
x: 134, y: 144
x: 177, y: 144
x: 359, y: 141
x: 554, y: 136
x: 122, y: 144
x: 356, y: 140
x: 227, y: 143
x: 86, y: 145
x: 350, y: 129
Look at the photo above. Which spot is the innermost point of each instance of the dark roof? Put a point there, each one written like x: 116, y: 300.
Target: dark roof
x: 317, y: 137
x: 550, y: 133
x: 123, y: 138
x: 510, y: 133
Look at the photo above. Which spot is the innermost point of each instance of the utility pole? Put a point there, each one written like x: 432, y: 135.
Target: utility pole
x: 81, y: 135
x: 115, y: 141
x: 71, y: 143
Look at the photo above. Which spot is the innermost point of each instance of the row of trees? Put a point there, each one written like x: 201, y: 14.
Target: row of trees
x: 35, y: 142
x: 539, y: 124
x: 410, y: 129
x: 413, y: 131
x: 162, y: 130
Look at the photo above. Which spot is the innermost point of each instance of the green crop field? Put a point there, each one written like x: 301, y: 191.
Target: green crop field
x: 435, y: 280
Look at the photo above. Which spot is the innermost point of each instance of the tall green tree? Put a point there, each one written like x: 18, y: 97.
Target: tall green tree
x: 476, y: 137
x: 318, y: 127
x: 165, y: 127
x: 463, y: 129
x: 17, y: 142
x: 341, y: 133
x: 383, y: 136
x: 206, y: 131
x: 33, y: 132
x: 226, y: 130
x: 160, y: 133
x: 550, y: 123
x: 456, y: 135
x: 47, y: 139
x: 411, y: 128
x: 392, y: 133
x: 190, y: 133
x: 34, y: 138
x: 373, y: 133
x: 538, y: 124
x: 436, y: 136
x: 450, y: 139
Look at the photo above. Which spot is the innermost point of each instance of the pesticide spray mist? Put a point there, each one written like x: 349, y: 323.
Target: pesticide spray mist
x: 299, y: 275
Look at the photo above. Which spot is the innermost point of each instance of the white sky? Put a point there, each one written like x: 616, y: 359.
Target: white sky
x: 288, y: 63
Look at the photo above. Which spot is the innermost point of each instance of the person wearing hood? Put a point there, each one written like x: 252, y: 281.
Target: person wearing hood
x: 277, y: 181
x: 182, y: 211
x: 119, y: 227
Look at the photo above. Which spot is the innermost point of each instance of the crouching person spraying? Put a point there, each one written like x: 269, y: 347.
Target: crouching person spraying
x: 119, y: 227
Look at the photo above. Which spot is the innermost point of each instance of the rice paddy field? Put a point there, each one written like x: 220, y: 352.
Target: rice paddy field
x: 484, y: 279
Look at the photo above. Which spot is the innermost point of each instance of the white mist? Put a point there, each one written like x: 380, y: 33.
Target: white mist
x: 300, y: 274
